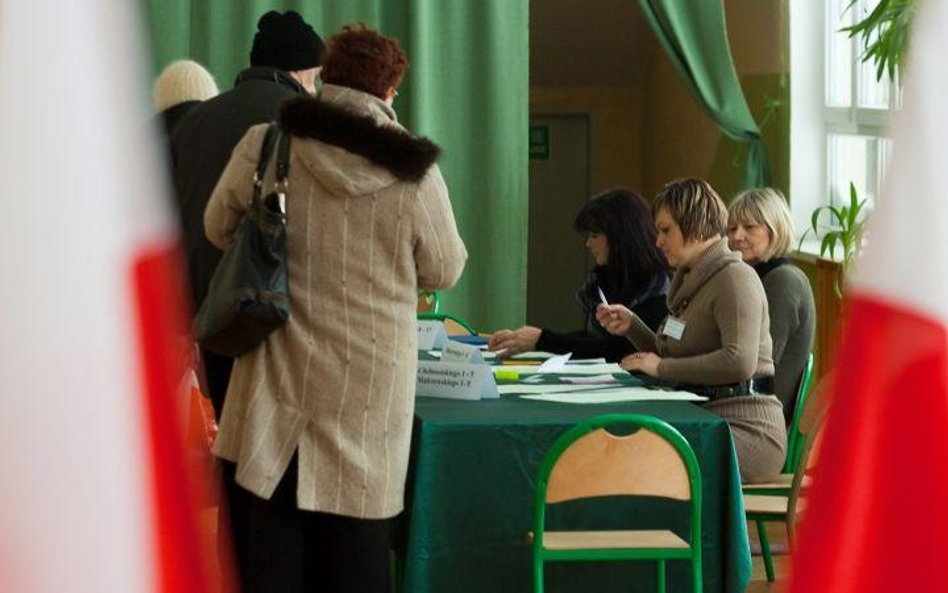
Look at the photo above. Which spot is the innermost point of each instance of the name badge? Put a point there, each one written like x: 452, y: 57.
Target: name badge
x: 673, y: 327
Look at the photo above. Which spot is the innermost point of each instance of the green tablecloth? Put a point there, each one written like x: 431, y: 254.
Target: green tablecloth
x: 470, y: 492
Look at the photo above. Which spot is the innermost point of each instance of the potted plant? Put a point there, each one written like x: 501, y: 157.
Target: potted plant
x: 885, y: 34
x: 845, y: 228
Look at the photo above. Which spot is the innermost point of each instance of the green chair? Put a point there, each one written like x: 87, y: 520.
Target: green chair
x: 429, y: 302
x: 781, y: 485
x: 794, y: 437
x: 586, y: 462
x: 453, y: 324
x: 764, y: 502
x: 784, y: 508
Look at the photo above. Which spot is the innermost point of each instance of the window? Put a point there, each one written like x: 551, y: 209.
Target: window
x: 839, y: 110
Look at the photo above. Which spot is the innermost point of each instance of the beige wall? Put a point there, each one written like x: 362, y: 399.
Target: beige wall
x: 653, y: 130
x: 681, y: 140
x: 617, y: 129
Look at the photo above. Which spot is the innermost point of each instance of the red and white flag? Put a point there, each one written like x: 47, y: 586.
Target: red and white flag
x: 93, y: 496
x: 877, y: 515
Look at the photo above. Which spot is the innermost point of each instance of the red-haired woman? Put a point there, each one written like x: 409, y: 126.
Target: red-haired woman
x: 318, y: 417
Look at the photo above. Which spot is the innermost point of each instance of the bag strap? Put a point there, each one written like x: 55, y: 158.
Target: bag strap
x: 283, y: 160
x: 265, y: 150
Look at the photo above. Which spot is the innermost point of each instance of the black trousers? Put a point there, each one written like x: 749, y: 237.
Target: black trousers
x: 294, y: 551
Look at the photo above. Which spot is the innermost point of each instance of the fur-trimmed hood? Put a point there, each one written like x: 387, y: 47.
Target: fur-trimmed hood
x: 358, y: 127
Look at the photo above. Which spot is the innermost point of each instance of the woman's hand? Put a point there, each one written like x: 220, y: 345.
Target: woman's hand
x: 643, y: 362
x: 617, y: 319
x: 507, y: 342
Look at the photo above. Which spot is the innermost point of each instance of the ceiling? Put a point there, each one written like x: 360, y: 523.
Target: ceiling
x: 588, y: 43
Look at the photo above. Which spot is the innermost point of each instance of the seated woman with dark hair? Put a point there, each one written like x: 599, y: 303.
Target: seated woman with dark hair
x: 760, y: 227
x: 629, y: 269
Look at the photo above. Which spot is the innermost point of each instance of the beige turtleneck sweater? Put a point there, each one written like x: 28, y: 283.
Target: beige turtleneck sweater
x: 727, y: 328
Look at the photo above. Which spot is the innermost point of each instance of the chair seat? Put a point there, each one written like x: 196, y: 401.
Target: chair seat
x: 761, y: 504
x: 597, y: 540
x: 781, y: 481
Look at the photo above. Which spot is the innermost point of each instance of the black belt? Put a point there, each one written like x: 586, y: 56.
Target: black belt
x: 754, y: 386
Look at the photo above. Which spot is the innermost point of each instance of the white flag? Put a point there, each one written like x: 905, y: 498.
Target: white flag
x: 876, y: 511
x: 93, y: 496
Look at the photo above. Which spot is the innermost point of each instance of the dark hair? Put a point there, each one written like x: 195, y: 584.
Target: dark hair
x: 634, y: 260
x: 695, y: 207
x: 361, y: 59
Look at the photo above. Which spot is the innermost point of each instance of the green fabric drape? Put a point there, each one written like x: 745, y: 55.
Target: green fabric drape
x: 694, y: 36
x: 466, y: 89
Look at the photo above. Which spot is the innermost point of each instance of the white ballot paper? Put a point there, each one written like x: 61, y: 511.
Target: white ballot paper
x: 555, y: 364
x: 613, y: 395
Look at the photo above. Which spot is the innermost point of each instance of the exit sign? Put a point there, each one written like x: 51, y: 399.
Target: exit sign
x: 540, y: 142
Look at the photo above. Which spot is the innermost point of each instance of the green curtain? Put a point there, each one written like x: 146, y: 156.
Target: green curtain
x: 694, y: 36
x: 467, y: 89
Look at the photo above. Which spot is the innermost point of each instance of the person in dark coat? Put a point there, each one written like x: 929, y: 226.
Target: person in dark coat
x: 181, y: 87
x: 284, y: 62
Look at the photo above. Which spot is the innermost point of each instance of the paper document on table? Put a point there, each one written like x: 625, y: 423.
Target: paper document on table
x: 582, y: 361
x: 533, y: 355
x: 571, y: 369
x: 546, y: 388
x: 590, y: 379
x: 555, y: 364
x: 613, y: 395
x: 485, y: 353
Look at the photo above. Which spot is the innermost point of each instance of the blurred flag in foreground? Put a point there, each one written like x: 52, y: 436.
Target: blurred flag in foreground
x: 877, y: 514
x: 93, y: 496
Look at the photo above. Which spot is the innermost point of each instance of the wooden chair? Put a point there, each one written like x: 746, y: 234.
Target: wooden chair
x: 785, y: 507
x: 587, y: 461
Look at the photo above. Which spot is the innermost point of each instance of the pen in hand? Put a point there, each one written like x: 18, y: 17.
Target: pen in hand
x: 602, y: 296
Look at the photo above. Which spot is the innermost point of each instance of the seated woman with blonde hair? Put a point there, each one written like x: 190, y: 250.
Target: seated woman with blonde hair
x: 716, y: 340
x: 760, y: 227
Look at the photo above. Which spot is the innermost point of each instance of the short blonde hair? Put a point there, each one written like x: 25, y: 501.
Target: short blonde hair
x: 695, y: 207
x: 768, y: 207
x: 182, y: 81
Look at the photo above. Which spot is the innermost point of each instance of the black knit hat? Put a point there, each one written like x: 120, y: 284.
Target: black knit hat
x: 287, y: 42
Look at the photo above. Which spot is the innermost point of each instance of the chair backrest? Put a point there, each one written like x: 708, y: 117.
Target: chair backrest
x: 453, y: 325
x: 809, y: 456
x: 602, y: 464
x: 794, y: 436
x: 429, y: 302
x: 587, y: 461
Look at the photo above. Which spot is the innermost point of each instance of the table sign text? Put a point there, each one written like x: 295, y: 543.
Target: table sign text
x: 455, y: 380
x: 431, y: 335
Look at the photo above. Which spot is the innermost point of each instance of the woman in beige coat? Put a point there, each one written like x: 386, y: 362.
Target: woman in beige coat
x: 318, y: 418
